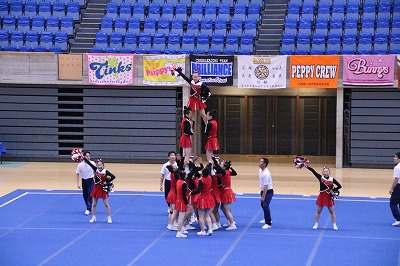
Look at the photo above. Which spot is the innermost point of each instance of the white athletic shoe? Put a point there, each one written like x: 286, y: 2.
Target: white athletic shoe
x: 189, y: 227
x: 335, y: 227
x: 180, y: 235
x: 193, y: 219
x: 87, y: 212
x: 315, y: 227
x: 176, y: 223
x: 266, y: 226
x: 214, y: 227
x: 209, y: 233
x: 262, y: 221
x: 397, y: 223
x: 226, y: 224
x: 184, y: 232
x: 219, y: 225
x: 109, y: 220
x: 231, y: 227
x: 172, y: 228
x: 93, y: 219
x: 201, y: 233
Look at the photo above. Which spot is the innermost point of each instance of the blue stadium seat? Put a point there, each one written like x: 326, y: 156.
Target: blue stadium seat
x: 318, y: 44
x: 17, y: 38
x: 130, y: 41
x: 174, y: 2
x: 336, y: 26
x: 288, y: 43
x: 293, y: 10
x: 140, y: 51
x: 24, y: 23
x: 61, y: 40
x: 170, y: 51
x: 101, y: 40
x: 177, y: 25
x: 30, y: 9
x: 350, y: 26
x: 250, y: 27
x: 188, y: 42
x: 52, y: 24
x: 192, y: 26
x: 112, y: 10
x: 55, y: 49
x: 106, y: 24
x: 224, y: 11
x: 384, y: 6
x: 110, y: 50
x: 303, y: 43
x: 394, y: 43
x: 290, y: 26
x: 39, y: 49
x: 44, y: 9
x: 321, y: 26
x: 213, y: 51
x: 46, y: 39
x: 15, y: 8
x: 73, y: 10
x: 236, y: 26
x: 382, y: 26
x: 197, y: 11
x: 138, y: 11
x: 126, y: 50
x: 324, y: 10
x: 348, y: 43
x: 58, y: 9
x: 149, y: 25
x: 159, y: 41
x: 125, y: 10
x: 167, y: 11
x: 38, y: 24
x: 202, y: 42
x: 202, y: 2
x: 24, y: 49
x: 364, y: 43
x: 206, y: 26
x: 244, y: 52
x: 161, y: 2
x: 253, y: 12
x: 181, y: 11
x: 31, y: 39
x: 368, y: 25
x: 4, y: 8
x: 307, y: 10
x: 246, y: 42
x: 352, y: 10
x: 67, y: 25
x: 220, y: 26
x: 10, y: 48
x: 154, y: 11
x: 163, y: 25
x: 155, y: 51
x: 380, y: 43
x: 120, y: 25
x: 368, y: 10
x: 232, y: 42
x: 338, y: 10
x: 174, y: 42
x: 217, y: 42
x: 144, y: 41
x: 305, y: 26
x: 4, y: 38
x: 116, y: 40
x: 210, y: 11
x: 239, y: 11
x: 229, y: 52
x: 199, y: 51
x: 134, y: 25
x: 9, y: 22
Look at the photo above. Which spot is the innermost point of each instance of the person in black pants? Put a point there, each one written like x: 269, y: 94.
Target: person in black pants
x: 395, y: 191
x: 85, y: 172
x: 267, y: 191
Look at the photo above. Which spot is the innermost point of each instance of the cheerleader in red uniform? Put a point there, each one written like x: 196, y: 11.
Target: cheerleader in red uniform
x: 193, y: 183
x: 325, y: 198
x: 205, y: 202
x: 181, y: 203
x: 216, y: 193
x: 102, y: 177
x: 199, y: 93
x: 187, y: 131
x: 211, y: 133
x: 171, y: 197
x: 227, y: 197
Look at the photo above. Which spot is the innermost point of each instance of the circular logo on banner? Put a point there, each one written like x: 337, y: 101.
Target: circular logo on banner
x: 261, y: 72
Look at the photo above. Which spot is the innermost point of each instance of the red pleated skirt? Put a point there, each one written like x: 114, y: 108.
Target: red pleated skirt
x: 212, y: 144
x: 192, y: 199
x: 215, y: 192
x: 171, y: 198
x: 185, y: 142
x: 228, y: 196
x: 205, y: 201
x: 324, y: 199
x: 196, y: 104
x: 180, y: 206
x: 98, y: 192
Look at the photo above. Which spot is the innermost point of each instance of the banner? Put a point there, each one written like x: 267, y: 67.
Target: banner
x: 368, y: 69
x: 398, y: 71
x: 213, y: 70
x: 157, y: 69
x: 262, y: 72
x: 109, y: 69
x: 314, y: 71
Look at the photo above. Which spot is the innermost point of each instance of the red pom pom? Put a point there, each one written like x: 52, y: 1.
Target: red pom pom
x: 300, y: 162
x: 76, y: 155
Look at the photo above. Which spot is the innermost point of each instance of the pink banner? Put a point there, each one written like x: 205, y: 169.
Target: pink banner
x: 368, y: 69
x: 110, y: 69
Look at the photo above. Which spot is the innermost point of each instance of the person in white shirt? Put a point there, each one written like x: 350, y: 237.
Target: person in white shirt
x: 85, y: 172
x: 165, y: 181
x: 395, y: 191
x: 267, y: 191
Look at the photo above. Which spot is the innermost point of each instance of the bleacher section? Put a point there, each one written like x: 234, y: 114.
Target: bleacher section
x: 154, y: 23
x: 342, y: 27
x: 37, y: 25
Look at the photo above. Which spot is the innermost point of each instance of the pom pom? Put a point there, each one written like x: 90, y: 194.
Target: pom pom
x: 76, y: 155
x: 300, y: 162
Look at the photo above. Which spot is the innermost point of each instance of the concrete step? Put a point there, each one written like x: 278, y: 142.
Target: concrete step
x: 91, y: 20
x: 85, y: 34
x: 87, y: 45
x: 267, y: 52
x: 270, y: 31
x: 93, y: 15
x: 79, y: 50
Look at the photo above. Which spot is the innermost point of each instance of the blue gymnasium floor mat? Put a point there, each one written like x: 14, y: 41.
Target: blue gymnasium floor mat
x: 6, y: 164
x: 41, y: 227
